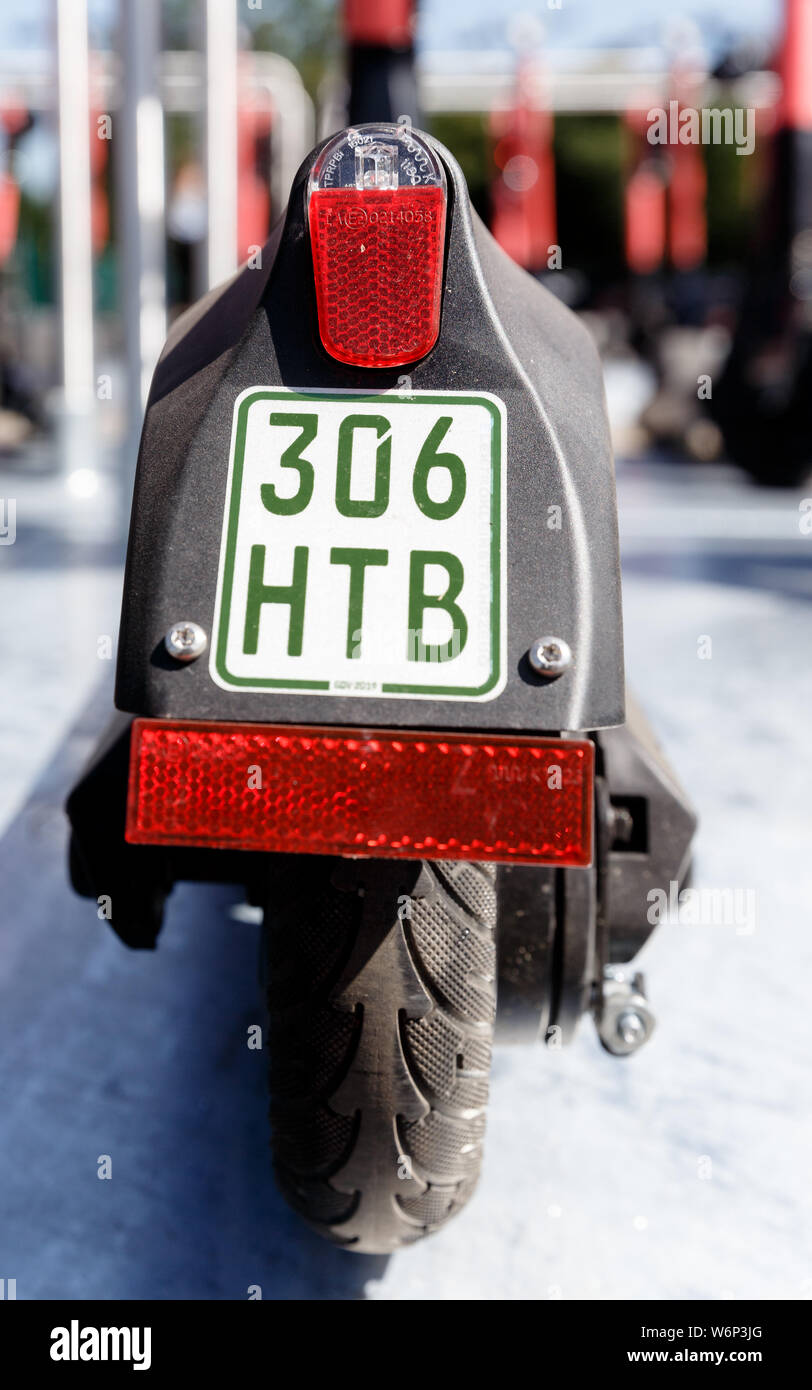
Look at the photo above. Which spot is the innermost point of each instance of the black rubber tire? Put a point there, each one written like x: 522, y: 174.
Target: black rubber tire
x: 381, y: 997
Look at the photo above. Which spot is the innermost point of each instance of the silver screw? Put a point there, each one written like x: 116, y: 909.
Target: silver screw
x: 622, y: 1012
x: 631, y: 1028
x: 550, y: 657
x: 186, y: 641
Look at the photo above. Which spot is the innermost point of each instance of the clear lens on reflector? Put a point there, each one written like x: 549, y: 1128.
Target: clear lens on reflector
x: 376, y: 209
x: 360, y: 792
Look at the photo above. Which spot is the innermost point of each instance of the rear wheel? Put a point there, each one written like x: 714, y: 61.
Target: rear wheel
x: 381, y: 994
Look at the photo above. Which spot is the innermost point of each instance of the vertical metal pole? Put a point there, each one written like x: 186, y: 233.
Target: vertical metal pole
x: 221, y: 138
x: 75, y: 245
x: 141, y: 173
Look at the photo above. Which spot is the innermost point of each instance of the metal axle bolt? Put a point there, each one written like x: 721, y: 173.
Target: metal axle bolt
x: 622, y: 1012
x: 186, y: 641
x: 550, y: 657
x: 631, y: 1028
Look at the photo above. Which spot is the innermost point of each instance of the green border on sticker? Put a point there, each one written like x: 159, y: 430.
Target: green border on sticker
x: 256, y: 682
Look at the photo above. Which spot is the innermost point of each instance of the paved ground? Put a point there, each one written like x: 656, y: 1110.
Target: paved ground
x: 683, y: 1172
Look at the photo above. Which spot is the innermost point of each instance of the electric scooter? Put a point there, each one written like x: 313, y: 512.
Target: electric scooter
x: 371, y: 669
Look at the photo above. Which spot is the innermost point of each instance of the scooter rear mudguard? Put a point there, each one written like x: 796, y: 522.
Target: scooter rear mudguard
x: 502, y: 336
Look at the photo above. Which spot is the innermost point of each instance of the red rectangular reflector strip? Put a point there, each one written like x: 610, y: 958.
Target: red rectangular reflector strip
x: 360, y: 792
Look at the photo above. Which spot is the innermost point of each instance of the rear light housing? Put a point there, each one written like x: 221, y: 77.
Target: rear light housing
x: 376, y: 206
x: 360, y: 792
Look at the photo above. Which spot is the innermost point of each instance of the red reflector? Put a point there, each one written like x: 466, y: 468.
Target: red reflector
x: 376, y: 207
x: 373, y: 793
x: 378, y: 263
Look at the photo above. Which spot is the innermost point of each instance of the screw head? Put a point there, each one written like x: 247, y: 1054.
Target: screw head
x: 623, y: 1016
x: 632, y: 1028
x: 186, y: 641
x: 550, y: 657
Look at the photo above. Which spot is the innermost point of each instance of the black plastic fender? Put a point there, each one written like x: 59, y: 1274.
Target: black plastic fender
x: 501, y: 333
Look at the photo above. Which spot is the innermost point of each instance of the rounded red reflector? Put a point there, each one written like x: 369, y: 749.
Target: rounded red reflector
x: 380, y: 794
x: 376, y: 209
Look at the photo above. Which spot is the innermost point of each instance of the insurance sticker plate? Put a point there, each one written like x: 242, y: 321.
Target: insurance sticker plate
x: 363, y: 548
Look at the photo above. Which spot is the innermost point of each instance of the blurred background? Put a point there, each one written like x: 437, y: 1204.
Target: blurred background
x: 146, y: 148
